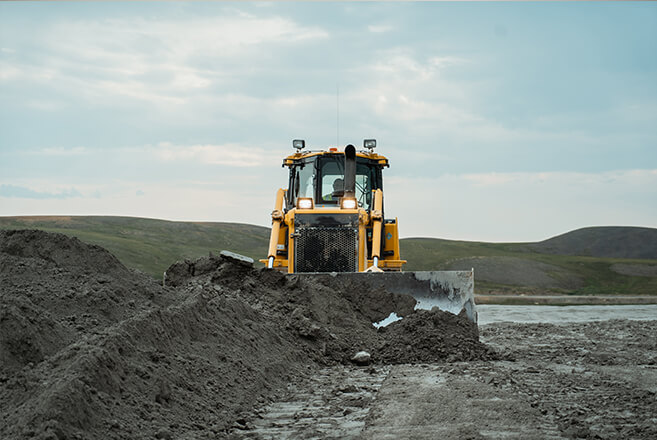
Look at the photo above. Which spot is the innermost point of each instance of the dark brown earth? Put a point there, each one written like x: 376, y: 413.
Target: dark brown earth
x: 90, y: 349
x: 594, y: 380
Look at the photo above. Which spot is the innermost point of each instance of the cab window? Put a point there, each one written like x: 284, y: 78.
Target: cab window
x: 364, y: 179
x: 301, y: 183
x: 331, y: 180
x: 305, y: 177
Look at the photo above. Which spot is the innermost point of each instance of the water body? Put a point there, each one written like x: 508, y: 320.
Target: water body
x: 489, y: 314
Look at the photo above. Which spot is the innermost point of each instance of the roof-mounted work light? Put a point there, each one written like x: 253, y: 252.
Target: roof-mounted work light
x: 299, y: 144
x: 370, y: 144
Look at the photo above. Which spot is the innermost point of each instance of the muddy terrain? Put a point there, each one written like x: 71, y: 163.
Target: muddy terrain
x: 592, y: 380
x: 90, y: 349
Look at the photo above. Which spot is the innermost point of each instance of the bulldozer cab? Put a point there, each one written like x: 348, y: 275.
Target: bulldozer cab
x: 322, y: 177
x: 330, y: 218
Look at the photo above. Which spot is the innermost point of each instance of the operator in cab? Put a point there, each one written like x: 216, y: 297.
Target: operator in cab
x: 338, y: 190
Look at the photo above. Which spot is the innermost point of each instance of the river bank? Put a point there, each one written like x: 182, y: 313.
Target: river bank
x: 562, y: 300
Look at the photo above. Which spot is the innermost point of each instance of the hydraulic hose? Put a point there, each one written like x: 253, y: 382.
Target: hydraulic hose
x: 377, y: 223
x: 277, y: 217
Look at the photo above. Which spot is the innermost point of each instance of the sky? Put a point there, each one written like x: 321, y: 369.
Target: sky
x: 503, y: 122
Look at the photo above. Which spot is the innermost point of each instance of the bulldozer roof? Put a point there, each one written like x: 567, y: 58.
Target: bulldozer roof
x: 296, y: 157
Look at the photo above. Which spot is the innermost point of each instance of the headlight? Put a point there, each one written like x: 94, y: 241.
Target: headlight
x: 348, y: 203
x: 304, y: 203
x: 369, y: 143
x: 299, y: 144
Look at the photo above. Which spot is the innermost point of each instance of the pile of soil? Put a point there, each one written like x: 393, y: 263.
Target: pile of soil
x: 91, y: 349
x: 432, y: 336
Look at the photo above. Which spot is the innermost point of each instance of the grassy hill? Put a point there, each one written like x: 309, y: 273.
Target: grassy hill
x: 603, y: 241
x: 519, y: 268
x: 152, y: 245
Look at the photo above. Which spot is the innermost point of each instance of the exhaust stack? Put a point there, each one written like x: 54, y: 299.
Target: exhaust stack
x: 350, y: 171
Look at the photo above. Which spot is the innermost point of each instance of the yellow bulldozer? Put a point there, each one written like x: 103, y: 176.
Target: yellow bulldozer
x: 331, y: 219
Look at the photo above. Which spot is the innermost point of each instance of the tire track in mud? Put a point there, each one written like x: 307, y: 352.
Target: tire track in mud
x: 333, y: 403
x: 433, y: 401
x: 591, y: 380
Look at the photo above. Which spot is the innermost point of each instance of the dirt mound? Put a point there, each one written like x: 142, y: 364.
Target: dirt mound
x: 62, y: 250
x: 27, y: 335
x: 432, y: 336
x: 90, y: 349
x: 55, y: 289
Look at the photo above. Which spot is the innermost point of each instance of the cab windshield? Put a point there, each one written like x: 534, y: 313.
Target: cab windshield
x: 331, y: 181
x: 322, y: 179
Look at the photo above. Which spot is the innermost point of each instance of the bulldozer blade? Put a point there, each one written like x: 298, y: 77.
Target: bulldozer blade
x: 450, y: 291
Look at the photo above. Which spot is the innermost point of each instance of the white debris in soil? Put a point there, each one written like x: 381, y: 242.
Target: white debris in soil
x: 387, y: 321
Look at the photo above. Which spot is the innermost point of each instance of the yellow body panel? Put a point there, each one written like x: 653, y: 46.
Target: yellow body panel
x: 294, y: 157
x: 387, y: 261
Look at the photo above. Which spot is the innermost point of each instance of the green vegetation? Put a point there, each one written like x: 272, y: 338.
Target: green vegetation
x: 594, y: 275
x: 152, y: 245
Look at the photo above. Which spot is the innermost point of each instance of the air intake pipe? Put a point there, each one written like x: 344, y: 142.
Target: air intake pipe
x: 350, y: 171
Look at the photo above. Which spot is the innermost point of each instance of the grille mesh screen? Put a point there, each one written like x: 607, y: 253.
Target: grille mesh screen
x: 325, y: 249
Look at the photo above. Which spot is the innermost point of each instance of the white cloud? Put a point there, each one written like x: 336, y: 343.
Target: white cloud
x: 60, y: 151
x: 520, y: 206
x: 411, y: 94
x: 134, y: 89
x: 138, y: 39
x: 489, y: 179
x: 379, y: 28
x: 151, y: 60
x: 9, y: 71
x: 55, y: 151
x: 176, y: 200
x: 233, y: 155
x: 45, y: 105
x: 447, y: 61
x: 22, y: 192
x: 231, y: 90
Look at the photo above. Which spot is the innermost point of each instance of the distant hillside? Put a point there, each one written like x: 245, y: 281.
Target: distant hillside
x: 578, y: 262
x: 603, y: 241
x: 619, y: 260
x: 152, y: 245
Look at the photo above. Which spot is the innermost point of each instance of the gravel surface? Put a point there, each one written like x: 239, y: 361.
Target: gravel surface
x: 595, y: 380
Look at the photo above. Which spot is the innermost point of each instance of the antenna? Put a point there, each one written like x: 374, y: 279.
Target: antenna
x: 337, y: 115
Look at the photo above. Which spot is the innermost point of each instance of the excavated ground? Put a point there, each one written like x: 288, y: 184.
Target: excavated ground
x: 92, y: 350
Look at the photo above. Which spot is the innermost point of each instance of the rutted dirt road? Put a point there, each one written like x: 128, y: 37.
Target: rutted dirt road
x: 593, y: 380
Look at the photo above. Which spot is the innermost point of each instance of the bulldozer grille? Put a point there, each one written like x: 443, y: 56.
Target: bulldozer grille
x: 328, y: 247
